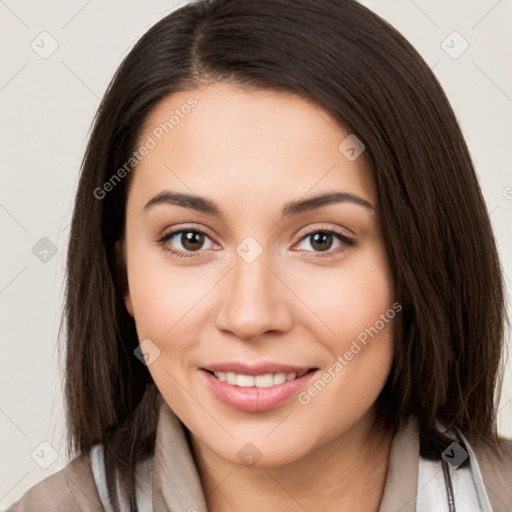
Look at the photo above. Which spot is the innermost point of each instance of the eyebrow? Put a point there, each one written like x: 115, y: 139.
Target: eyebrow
x: 202, y: 204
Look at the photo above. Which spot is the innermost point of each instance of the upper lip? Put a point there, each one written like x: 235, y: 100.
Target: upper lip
x: 256, y: 369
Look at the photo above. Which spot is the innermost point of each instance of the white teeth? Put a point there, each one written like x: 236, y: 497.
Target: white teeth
x: 259, y: 381
x: 245, y: 381
x: 279, y: 378
x: 264, y: 381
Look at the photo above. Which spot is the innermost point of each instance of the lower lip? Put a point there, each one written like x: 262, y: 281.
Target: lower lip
x: 255, y: 399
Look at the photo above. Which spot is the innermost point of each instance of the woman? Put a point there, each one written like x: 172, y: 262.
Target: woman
x: 283, y: 290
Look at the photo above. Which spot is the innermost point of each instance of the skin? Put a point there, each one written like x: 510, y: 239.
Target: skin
x: 251, y: 152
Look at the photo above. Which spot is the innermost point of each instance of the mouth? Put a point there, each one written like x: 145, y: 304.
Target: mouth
x: 256, y: 389
x: 265, y: 380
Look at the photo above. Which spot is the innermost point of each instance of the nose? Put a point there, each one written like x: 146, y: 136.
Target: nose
x: 254, y: 300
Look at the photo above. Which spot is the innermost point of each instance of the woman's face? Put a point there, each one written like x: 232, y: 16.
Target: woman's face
x: 263, y: 288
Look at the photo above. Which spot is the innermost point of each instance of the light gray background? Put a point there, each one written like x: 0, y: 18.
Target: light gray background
x: 47, y: 108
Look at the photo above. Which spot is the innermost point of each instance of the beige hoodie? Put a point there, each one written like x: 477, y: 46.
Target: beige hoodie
x: 177, y: 488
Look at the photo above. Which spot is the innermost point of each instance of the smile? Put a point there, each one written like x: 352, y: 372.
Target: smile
x: 253, y: 390
x: 266, y: 380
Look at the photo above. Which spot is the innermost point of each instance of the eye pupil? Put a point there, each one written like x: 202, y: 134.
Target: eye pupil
x: 192, y: 240
x: 319, y: 240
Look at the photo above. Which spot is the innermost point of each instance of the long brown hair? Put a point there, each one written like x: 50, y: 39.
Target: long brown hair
x: 439, y: 240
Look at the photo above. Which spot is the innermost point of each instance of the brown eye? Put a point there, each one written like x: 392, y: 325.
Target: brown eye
x: 185, y: 242
x: 191, y: 240
x: 322, y: 241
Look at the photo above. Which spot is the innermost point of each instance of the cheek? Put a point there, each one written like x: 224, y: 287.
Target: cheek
x: 164, y: 299
x: 351, y: 299
x: 357, y: 304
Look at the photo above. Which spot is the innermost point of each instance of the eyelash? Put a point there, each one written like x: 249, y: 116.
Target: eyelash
x: 348, y: 242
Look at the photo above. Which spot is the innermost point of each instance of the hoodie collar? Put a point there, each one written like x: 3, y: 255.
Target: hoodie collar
x: 177, y: 487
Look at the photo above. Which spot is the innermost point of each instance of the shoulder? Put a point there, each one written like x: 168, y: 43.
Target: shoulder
x: 497, y: 474
x: 70, y: 489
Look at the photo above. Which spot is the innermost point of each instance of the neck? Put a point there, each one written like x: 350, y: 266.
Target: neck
x: 345, y: 473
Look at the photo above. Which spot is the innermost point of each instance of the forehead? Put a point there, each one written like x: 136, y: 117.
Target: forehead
x: 251, y: 145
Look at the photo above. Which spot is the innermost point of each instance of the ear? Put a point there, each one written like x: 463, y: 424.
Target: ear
x: 122, y: 275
